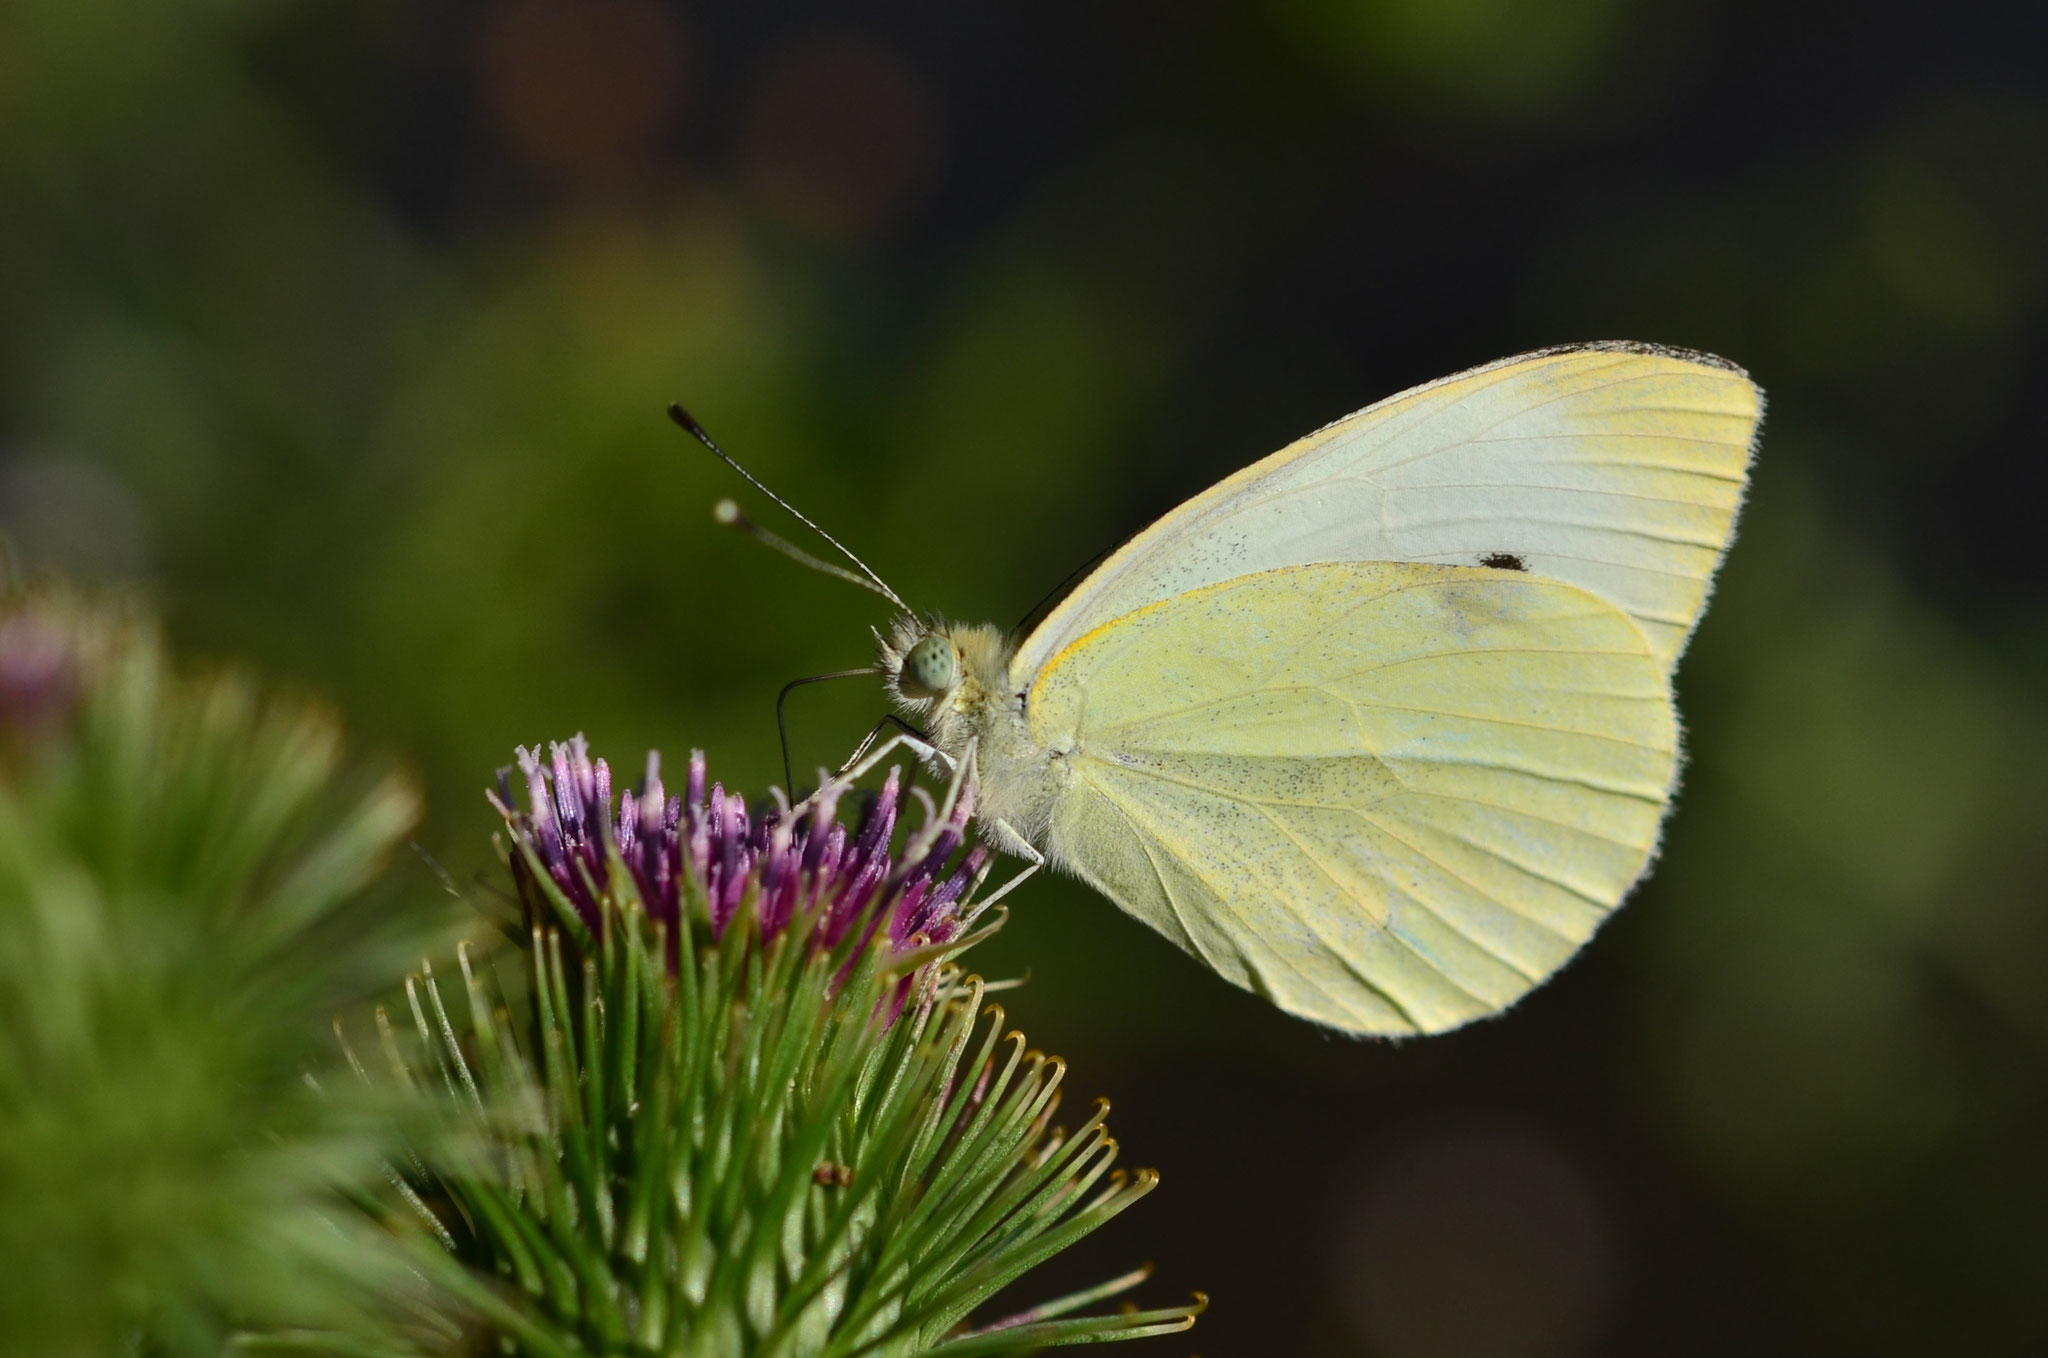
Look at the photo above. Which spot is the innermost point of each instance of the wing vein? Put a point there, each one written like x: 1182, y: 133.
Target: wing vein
x: 1524, y: 814
x: 1563, y: 490
x: 1575, y: 393
x: 1149, y: 835
x: 1496, y: 854
x: 1641, y: 434
x: 1392, y: 932
x: 1547, y: 554
x: 1478, y: 891
x: 1509, y: 721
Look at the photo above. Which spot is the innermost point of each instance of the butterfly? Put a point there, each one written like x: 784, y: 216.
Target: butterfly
x: 1382, y: 726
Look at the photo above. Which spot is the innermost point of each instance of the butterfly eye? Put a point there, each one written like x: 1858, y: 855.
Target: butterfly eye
x: 929, y: 668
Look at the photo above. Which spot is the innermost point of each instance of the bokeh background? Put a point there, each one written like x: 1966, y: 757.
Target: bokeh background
x: 344, y: 327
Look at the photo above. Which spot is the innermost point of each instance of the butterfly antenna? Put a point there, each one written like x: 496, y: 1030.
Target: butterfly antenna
x: 728, y: 514
x: 866, y: 579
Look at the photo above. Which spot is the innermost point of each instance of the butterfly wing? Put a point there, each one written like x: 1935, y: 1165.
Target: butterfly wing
x: 1617, y: 468
x: 1391, y: 797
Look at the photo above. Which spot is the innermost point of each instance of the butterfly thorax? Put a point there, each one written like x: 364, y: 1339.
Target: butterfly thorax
x: 960, y: 695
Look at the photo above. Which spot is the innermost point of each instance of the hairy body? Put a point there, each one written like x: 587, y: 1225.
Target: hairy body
x: 1018, y: 780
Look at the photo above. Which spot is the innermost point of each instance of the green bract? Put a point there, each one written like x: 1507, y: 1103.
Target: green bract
x: 738, y: 1097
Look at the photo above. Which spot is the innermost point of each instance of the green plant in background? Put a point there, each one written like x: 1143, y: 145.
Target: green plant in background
x: 183, y: 866
x: 736, y: 1097
x: 742, y: 1099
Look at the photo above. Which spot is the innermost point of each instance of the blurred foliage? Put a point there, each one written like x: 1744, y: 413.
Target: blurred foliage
x: 1523, y: 57
x: 345, y: 326
x: 182, y: 869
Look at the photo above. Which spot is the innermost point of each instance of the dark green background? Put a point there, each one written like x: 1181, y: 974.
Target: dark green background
x: 345, y: 327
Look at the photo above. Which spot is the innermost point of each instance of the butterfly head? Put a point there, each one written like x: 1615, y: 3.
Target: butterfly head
x: 933, y: 668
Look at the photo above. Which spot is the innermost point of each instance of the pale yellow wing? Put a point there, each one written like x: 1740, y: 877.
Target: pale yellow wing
x: 1391, y: 797
x: 1616, y: 467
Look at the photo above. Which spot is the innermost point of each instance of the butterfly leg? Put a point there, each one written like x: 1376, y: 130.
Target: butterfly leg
x: 1010, y: 841
x: 891, y: 719
x: 902, y: 740
x: 1006, y: 836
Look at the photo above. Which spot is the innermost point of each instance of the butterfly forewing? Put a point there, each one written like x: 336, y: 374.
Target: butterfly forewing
x: 1615, y: 468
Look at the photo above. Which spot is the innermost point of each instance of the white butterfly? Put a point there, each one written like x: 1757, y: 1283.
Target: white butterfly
x: 1380, y: 727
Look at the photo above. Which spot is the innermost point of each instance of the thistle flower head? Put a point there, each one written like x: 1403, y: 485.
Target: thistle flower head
x: 791, y: 863
x: 746, y: 1101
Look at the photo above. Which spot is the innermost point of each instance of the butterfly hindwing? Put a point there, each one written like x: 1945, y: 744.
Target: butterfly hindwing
x: 1392, y: 797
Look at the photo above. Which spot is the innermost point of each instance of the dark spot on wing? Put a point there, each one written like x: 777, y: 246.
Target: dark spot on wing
x: 1504, y: 561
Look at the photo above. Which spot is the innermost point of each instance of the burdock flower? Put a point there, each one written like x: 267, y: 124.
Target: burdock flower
x: 745, y: 1101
